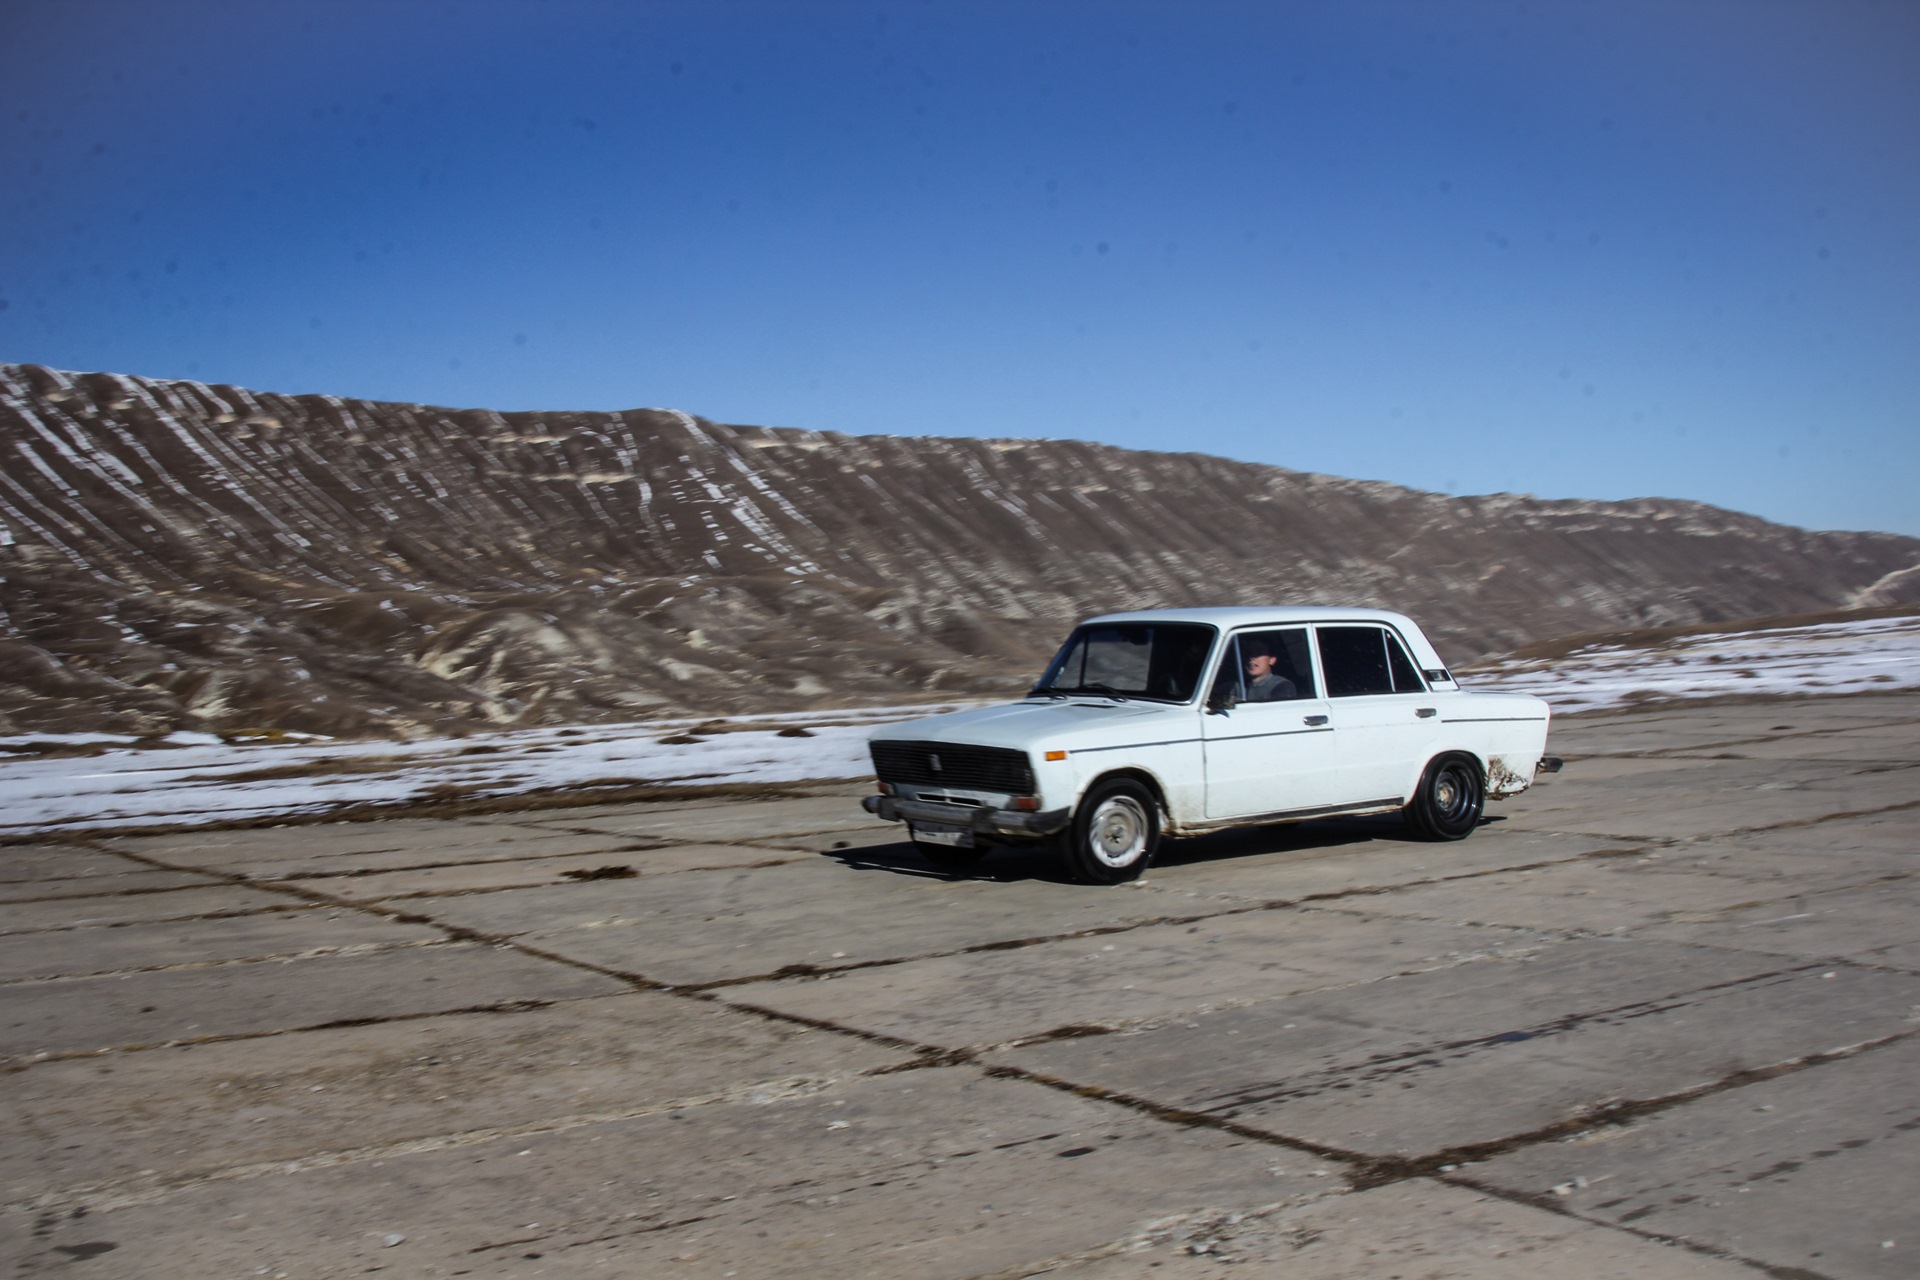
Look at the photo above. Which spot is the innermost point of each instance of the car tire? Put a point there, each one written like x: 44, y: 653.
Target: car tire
x: 1449, y: 800
x: 1115, y: 833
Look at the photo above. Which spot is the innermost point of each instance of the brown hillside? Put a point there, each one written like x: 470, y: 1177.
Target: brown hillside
x: 181, y: 555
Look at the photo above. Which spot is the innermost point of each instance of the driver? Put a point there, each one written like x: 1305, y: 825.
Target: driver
x: 1263, y: 685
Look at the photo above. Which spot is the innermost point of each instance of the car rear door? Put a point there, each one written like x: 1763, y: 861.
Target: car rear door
x: 1383, y: 717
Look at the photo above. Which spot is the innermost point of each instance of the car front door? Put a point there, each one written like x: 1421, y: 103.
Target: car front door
x: 1268, y: 749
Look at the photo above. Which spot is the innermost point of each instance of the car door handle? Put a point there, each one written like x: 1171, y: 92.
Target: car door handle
x: 1425, y: 713
x: 1316, y: 719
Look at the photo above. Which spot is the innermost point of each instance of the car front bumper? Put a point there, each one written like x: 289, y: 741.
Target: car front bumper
x: 981, y: 821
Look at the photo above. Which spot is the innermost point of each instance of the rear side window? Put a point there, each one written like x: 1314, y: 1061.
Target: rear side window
x: 1364, y: 660
x: 1406, y: 677
x: 1354, y: 661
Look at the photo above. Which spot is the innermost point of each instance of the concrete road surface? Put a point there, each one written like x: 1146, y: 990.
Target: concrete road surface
x: 1656, y: 1018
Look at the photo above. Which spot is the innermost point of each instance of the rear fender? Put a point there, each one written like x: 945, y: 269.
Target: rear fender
x: 1505, y: 779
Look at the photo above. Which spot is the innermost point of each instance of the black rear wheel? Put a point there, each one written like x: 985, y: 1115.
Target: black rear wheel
x: 1115, y: 832
x: 1449, y: 800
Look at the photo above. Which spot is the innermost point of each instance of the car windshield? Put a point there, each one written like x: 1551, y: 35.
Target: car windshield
x: 1160, y: 661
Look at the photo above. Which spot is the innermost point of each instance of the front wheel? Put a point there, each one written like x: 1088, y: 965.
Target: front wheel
x: 1450, y: 799
x: 1114, y: 834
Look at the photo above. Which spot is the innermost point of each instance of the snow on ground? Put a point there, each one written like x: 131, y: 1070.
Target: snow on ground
x: 197, y: 778
x: 1872, y: 655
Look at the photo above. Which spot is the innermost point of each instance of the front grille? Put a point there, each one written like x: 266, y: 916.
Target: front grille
x: 948, y: 764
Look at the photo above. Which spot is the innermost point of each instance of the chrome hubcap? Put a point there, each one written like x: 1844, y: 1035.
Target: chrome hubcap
x: 1118, y: 831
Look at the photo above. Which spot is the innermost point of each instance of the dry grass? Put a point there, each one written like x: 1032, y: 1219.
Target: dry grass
x: 344, y: 766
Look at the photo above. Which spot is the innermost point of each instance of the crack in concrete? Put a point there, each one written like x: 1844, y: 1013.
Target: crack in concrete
x: 1830, y: 961
x: 357, y: 872
x: 1793, y: 824
x: 315, y: 897
x: 1380, y: 1170
x: 1206, y: 1222
x: 924, y: 1054
x: 723, y: 842
x: 151, y: 1188
x: 1308, y: 901
x: 1657, y: 753
x: 931, y: 1055
x: 478, y: 890
x: 151, y: 891
x: 310, y: 897
x: 1183, y: 1117
x: 1087, y: 1030
x: 1788, y: 824
x: 1576, y: 933
x: 16, y: 1064
x: 649, y: 1229
x: 236, y: 913
x: 1382, y: 1066
x: 1369, y: 1171
x: 1363, y: 1171
x: 282, y: 957
x: 1701, y: 1248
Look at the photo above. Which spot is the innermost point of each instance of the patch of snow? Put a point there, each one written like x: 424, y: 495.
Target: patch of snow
x: 198, y: 778
x: 1872, y: 655
x: 202, y: 779
x: 20, y: 741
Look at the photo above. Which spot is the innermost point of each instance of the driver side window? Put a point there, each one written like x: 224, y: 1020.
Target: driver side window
x: 1266, y: 666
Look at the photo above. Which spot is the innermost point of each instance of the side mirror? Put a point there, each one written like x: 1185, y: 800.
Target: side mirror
x: 1221, y: 704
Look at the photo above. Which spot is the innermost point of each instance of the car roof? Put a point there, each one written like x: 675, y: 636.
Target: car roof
x: 1252, y: 616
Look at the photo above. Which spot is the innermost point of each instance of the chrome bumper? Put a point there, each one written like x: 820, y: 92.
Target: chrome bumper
x: 989, y: 822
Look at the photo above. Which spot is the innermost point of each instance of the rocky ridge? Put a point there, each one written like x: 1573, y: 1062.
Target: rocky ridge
x: 178, y: 555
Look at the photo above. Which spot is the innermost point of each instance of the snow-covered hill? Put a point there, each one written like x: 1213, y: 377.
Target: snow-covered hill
x: 182, y: 556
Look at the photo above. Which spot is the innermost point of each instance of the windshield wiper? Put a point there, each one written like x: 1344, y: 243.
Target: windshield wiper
x: 1062, y: 691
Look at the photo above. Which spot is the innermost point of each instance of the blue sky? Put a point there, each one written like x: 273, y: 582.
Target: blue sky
x: 1577, y: 250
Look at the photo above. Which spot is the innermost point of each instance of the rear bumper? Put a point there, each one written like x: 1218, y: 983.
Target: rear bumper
x: 986, y: 822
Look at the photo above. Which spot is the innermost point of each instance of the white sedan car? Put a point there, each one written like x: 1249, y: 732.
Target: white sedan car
x: 1189, y: 720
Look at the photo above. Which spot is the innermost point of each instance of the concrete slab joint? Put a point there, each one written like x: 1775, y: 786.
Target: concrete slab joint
x: 1658, y: 1017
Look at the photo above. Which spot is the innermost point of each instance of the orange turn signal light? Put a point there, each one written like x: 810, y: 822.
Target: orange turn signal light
x: 1027, y: 804
x: 1056, y: 755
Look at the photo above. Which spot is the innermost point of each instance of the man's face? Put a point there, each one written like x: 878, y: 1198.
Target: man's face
x: 1260, y: 664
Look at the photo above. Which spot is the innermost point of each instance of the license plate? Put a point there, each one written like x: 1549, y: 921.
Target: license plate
x: 958, y: 837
